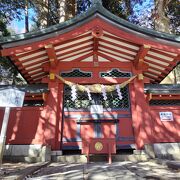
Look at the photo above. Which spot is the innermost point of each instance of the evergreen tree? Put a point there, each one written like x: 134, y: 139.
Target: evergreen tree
x: 9, y: 10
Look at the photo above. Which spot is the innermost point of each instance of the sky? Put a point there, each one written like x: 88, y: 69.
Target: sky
x: 19, y: 25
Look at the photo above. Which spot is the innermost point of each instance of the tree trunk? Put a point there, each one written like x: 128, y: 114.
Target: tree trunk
x: 62, y: 10
x: 26, y: 17
x: 161, y: 21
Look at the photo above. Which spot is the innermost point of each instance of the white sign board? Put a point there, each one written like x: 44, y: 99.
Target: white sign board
x: 11, y: 98
x: 96, y: 109
x: 166, y: 116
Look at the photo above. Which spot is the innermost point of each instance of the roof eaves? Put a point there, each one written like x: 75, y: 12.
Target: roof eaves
x: 129, y: 25
x: 162, y: 88
x: 29, y: 88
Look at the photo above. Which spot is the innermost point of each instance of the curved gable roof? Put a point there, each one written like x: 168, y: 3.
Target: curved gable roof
x: 95, y: 9
x: 117, y: 32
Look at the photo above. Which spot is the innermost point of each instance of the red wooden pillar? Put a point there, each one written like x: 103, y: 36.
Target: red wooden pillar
x: 141, y: 117
x: 53, y: 115
x: 59, y: 117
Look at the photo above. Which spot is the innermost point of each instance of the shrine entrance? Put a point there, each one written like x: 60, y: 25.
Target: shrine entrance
x: 93, y: 115
x: 97, y: 126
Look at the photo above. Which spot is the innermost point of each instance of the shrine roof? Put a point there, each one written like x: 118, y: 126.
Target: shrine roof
x: 72, y: 40
x: 94, y: 10
x: 162, y: 88
x: 28, y: 88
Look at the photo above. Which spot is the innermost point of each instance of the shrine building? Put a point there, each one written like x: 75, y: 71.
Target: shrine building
x: 95, y: 76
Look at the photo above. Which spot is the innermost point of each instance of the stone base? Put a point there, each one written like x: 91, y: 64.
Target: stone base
x: 27, y: 153
x: 169, y: 151
x: 100, y: 158
x: 70, y: 159
x: 173, y: 164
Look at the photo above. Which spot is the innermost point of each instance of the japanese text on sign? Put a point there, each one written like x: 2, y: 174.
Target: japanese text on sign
x: 11, y: 98
x: 166, y: 116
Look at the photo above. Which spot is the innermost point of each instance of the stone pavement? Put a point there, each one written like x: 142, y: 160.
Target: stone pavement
x: 11, y: 171
x: 94, y: 171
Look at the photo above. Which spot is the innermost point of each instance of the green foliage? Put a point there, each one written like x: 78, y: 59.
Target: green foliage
x: 3, y: 29
x: 173, y: 12
x: 8, y: 73
x: 121, y: 8
x: 10, y: 10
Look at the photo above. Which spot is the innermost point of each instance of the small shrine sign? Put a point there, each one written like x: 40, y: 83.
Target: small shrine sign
x: 8, y: 98
x: 166, y: 116
x: 11, y: 98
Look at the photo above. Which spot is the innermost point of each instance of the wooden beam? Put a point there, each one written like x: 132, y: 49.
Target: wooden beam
x: 73, y: 51
x: 117, y: 55
x: 75, y: 46
x: 116, y: 50
x: 82, y: 57
x: 157, y: 69
x: 30, y: 69
x: 74, y: 39
x: 97, y: 33
x: 116, y: 62
x: 177, y: 58
x: 160, y: 59
x: 119, y: 45
x: 152, y: 77
x: 165, y: 97
x: 158, y: 64
x: 95, y: 51
x: 28, y: 53
x: 36, y: 77
x: 68, y: 65
x: 139, y: 59
x: 44, y: 96
x: 106, y: 57
x: 51, y: 54
x: 95, y: 44
x: 34, y: 71
x: 31, y: 58
x: 32, y: 64
x: 157, y: 74
x: 163, y: 53
x: 120, y: 39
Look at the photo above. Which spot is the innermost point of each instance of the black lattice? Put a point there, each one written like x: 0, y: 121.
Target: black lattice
x: 116, y: 73
x: 164, y: 102
x: 83, y: 102
x: 76, y: 73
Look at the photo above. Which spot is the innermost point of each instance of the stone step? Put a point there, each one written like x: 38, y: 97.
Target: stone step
x: 69, y: 159
x: 139, y: 152
x: 99, y: 158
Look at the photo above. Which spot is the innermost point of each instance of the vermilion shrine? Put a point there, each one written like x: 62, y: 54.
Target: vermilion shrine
x: 94, y: 76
